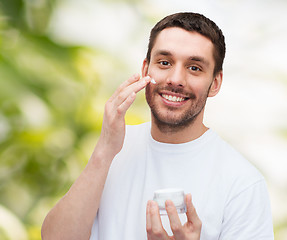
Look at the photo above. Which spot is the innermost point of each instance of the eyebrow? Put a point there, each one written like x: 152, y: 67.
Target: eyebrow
x: 195, y: 58
x: 199, y: 59
x: 163, y: 52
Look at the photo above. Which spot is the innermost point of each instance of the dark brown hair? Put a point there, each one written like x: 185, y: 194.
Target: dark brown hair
x: 193, y: 22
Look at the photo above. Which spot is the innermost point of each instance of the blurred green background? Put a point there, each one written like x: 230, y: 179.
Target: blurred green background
x: 52, y: 94
x: 51, y: 101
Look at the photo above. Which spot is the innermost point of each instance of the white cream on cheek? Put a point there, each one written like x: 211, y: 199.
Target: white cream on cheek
x: 153, y: 81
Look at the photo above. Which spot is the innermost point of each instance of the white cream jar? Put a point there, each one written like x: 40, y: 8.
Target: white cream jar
x: 173, y: 194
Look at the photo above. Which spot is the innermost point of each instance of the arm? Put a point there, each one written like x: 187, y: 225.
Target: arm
x: 73, y: 216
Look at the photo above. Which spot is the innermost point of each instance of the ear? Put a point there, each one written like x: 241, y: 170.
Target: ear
x: 145, y: 68
x: 216, y: 84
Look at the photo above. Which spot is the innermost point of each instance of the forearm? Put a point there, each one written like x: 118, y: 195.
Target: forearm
x: 73, y: 215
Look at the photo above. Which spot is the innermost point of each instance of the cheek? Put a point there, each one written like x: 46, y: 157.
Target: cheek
x: 158, y: 76
x: 151, y: 92
x: 150, y: 89
x: 199, y: 86
x: 148, y: 92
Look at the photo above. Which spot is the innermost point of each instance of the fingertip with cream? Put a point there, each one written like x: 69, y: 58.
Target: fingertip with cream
x: 153, y: 81
x: 147, y: 78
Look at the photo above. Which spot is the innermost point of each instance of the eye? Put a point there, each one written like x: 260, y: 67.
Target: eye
x: 164, y: 63
x: 194, y: 68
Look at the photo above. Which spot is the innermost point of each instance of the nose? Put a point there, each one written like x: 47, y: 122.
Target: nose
x: 176, y: 76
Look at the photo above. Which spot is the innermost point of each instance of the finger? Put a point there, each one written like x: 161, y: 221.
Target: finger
x: 132, y: 79
x: 145, y: 81
x: 148, y: 218
x: 126, y: 104
x: 157, y: 231
x: 175, y: 223
x: 132, y: 85
x: 137, y: 85
x: 126, y: 92
x: 191, y: 213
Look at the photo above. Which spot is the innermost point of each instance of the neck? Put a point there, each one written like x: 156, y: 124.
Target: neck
x: 182, y: 134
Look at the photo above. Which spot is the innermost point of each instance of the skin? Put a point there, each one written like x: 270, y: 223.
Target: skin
x: 181, y: 61
x: 182, y: 65
x: 73, y: 216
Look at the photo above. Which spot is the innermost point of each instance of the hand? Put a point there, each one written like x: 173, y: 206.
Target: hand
x: 189, y: 231
x: 113, y: 128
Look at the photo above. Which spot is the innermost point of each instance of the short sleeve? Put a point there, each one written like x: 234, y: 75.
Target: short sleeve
x: 247, y: 216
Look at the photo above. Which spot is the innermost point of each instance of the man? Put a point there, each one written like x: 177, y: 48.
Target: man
x: 112, y: 197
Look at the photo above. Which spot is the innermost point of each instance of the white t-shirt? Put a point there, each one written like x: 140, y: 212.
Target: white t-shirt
x: 229, y: 194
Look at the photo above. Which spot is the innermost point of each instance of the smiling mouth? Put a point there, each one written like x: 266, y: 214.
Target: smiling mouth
x: 172, y: 98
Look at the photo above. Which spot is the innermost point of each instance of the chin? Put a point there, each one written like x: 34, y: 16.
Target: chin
x: 167, y: 123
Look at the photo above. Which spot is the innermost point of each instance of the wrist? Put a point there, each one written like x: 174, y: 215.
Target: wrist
x: 102, y: 156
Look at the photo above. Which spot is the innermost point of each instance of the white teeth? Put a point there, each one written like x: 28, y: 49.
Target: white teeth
x: 173, y: 98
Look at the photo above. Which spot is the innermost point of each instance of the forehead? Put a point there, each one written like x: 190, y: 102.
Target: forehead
x: 183, y: 43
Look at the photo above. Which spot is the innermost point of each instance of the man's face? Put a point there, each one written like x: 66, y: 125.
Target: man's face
x: 182, y: 65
